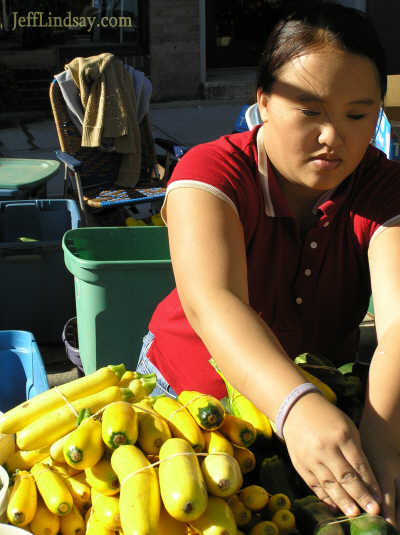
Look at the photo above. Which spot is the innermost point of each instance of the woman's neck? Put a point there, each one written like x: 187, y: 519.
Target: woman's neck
x: 301, y: 200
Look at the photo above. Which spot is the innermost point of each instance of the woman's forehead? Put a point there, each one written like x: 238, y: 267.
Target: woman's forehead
x: 323, y: 72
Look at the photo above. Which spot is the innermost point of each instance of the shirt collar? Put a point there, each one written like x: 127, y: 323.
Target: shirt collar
x: 274, y: 200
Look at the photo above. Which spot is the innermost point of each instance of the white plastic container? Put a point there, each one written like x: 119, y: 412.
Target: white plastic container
x: 7, y: 529
x: 4, y: 494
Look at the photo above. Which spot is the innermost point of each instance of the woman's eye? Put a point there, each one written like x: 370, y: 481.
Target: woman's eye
x: 356, y: 116
x: 309, y: 113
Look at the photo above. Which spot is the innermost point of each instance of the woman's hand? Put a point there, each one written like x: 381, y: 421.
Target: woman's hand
x: 385, y: 461
x: 325, y: 449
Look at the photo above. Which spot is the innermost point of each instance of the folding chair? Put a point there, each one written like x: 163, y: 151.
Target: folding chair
x: 90, y: 173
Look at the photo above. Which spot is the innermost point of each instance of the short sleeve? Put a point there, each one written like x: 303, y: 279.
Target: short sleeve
x: 225, y: 168
x: 376, y: 197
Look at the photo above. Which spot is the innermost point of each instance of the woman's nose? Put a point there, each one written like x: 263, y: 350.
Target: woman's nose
x: 330, y: 135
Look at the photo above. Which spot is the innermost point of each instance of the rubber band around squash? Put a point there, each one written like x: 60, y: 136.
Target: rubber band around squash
x: 152, y: 465
x: 67, y: 402
x: 184, y: 405
x: 341, y: 520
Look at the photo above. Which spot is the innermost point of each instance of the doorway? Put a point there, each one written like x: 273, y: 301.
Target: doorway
x: 236, y: 31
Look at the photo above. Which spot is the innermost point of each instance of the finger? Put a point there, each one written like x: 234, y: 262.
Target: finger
x: 358, y: 460
x: 314, y: 485
x: 336, y: 491
x: 349, y: 480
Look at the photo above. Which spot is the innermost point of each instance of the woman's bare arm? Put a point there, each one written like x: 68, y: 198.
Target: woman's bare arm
x: 380, y: 429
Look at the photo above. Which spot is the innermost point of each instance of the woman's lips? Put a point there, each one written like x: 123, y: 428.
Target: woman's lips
x: 326, y: 164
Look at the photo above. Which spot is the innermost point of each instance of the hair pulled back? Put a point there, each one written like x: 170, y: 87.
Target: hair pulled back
x: 310, y: 27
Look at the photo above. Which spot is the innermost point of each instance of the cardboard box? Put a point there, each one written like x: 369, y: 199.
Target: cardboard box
x: 392, y: 99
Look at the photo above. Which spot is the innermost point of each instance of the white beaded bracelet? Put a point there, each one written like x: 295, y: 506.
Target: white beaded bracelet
x: 288, y: 403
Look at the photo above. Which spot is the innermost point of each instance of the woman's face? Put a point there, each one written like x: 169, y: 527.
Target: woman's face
x: 320, y: 116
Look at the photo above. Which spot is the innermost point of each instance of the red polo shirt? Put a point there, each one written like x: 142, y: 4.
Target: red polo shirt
x: 314, y: 291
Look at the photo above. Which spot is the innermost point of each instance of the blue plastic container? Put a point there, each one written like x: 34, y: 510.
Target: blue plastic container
x: 23, y: 375
x: 10, y: 194
x: 37, y: 292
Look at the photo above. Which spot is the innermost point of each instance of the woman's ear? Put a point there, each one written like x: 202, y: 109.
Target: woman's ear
x: 262, y: 101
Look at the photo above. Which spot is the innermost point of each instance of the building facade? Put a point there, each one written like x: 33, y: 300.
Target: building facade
x: 191, y: 49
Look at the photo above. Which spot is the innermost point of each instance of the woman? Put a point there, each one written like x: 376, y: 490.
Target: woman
x: 290, y: 226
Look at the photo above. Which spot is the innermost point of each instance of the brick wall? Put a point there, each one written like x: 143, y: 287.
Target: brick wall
x: 175, y: 49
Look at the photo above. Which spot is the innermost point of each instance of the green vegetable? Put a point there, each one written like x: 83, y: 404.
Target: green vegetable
x: 346, y: 368
x: 370, y: 525
x: 314, y: 360
x: 275, y: 477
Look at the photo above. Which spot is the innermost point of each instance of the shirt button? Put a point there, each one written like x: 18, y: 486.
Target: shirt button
x: 326, y: 224
x: 313, y: 245
x: 307, y: 272
x: 299, y: 300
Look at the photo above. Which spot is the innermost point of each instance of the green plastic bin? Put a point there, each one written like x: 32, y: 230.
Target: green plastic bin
x: 120, y: 274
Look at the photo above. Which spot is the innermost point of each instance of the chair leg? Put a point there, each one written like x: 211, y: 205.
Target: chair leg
x: 80, y: 198
x: 79, y: 192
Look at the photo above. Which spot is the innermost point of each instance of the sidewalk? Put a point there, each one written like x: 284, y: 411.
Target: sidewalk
x: 184, y: 122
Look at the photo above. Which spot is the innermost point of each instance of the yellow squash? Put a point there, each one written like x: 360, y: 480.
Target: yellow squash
x: 22, y: 504
x: 94, y: 527
x: 52, y: 489
x: 119, y: 424
x: 79, y: 490
x: 25, y: 459
x: 207, y: 410
x: 243, y: 408
x: 7, y: 446
x: 241, y: 513
x: 142, y: 386
x: 238, y: 431
x: 278, y: 501
x: 182, y: 485
x: 254, y: 497
x: 84, y: 446
x: 169, y: 525
x: 265, y: 527
x: 106, y: 510
x: 44, y: 522
x: 72, y: 523
x: 217, y: 519
x: 285, y: 520
x: 217, y: 442
x: 56, y: 449
x: 53, y: 425
x: 20, y: 416
x: 140, y: 494
x: 180, y: 421
x: 222, y: 474
x: 127, y: 377
x: 153, y: 431
x: 245, y: 458
x: 102, y: 477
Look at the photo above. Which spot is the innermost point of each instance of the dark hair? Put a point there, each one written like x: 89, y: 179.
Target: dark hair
x: 346, y: 28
